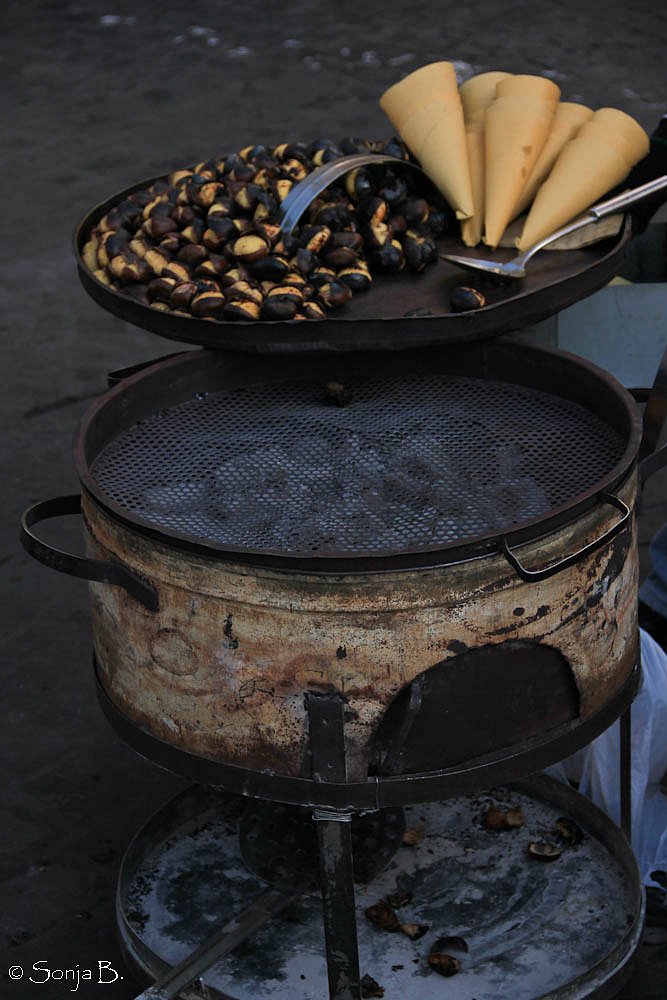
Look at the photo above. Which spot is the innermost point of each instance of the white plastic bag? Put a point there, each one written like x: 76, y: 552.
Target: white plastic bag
x: 596, y: 767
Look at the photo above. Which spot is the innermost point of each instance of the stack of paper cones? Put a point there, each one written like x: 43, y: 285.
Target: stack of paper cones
x: 477, y: 93
x: 425, y: 108
x: 517, y: 126
x: 567, y: 121
x: 600, y: 156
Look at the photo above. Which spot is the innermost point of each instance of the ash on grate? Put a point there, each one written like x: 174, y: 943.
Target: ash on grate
x: 409, y: 463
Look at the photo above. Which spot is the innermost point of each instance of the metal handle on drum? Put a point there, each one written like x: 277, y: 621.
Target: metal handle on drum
x: 81, y: 566
x: 120, y: 374
x: 533, y: 575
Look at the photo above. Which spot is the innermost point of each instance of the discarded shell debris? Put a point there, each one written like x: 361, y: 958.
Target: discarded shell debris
x: 382, y: 915
x: 414, y: 835
x: 414, y: 931
x: 399, y: 898
x: 569, y: 831
x: 450, y: 943
x: 544, y: 850
x: 370, y: 988
x: 500, y: 819
x: 446, y: 965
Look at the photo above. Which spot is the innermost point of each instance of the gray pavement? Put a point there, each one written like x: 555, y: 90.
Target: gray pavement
x: 95, y: 96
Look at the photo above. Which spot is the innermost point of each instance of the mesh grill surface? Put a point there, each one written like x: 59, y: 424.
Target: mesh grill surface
x: 411, y: 462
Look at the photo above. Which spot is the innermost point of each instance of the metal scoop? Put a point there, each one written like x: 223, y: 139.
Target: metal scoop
x: 516, y: 268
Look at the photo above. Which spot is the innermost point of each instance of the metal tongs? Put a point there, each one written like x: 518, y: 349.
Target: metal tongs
x: 516, y: 268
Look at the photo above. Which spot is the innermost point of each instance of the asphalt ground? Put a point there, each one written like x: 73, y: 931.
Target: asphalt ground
x: 94, y: 97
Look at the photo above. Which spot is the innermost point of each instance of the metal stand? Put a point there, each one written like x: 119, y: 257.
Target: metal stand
x: 334, y: 835
x: 625, y: 727
x: 333, y: 801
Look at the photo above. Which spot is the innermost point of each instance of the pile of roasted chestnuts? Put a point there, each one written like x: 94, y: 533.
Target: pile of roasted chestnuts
x: 206, y: 242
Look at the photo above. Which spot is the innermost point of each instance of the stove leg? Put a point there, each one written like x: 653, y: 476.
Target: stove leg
x: 334, y: 836
x: 625, y: 724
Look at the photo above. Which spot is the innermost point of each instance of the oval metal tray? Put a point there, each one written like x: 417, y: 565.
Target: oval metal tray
x: 399, y: 311
x: 562, y: 931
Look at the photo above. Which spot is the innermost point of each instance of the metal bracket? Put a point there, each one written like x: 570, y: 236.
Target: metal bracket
x: 334, y: 835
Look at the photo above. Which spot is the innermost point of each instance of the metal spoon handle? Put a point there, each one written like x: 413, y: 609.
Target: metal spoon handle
x: 629, y: 197
x: 596, y: 212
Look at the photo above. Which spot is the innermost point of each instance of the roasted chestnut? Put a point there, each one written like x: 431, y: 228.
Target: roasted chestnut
x: 465, y: 299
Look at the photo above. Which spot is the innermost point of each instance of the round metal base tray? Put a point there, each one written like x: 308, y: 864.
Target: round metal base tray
x: 566, y: 929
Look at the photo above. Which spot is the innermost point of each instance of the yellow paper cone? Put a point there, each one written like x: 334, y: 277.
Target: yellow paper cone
x: 585, y: 170
x: 601, y: 155
x: 471, y: 229
x: 620, y: 131
x: 476, y: 94
x: 534, y: 88
x: 426, y: 110
x: 433, y: 82
x: 516, y: 130
x: 568, y: 119
x: 448, y: 170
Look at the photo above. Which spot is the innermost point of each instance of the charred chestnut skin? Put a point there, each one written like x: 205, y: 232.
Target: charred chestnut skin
x: 466, y: 299
x: 219, y: 221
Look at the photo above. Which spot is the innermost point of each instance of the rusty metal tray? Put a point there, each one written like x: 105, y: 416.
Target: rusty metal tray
x: 562, y: 931
x: 398, y: 312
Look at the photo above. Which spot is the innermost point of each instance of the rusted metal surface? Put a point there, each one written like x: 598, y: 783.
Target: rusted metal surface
x: 222, y: 668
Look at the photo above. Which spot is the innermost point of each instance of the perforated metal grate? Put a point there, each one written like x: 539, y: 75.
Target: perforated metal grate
x: 411, y: 462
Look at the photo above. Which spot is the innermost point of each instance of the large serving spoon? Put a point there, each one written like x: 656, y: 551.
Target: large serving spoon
x: 516, y: 268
